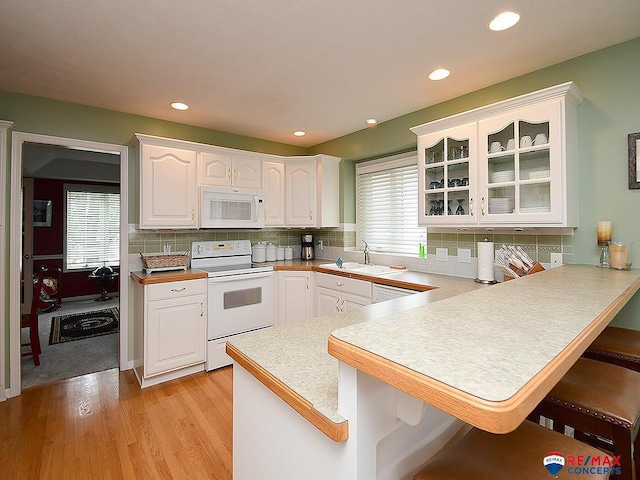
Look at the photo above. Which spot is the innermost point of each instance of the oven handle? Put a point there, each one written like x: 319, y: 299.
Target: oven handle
x: 242, y: 276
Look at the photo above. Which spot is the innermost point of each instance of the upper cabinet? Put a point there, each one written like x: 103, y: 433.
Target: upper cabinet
x: 311, y: 191
x: 298, y: 191
x: 229, y: 169
x: 273, y: 181
x: 508, y: 164
x: 168, y: 194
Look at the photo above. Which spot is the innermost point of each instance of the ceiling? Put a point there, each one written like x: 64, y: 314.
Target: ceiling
x: 264, y: 68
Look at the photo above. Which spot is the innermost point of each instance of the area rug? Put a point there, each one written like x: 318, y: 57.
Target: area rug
x: 77, y: 326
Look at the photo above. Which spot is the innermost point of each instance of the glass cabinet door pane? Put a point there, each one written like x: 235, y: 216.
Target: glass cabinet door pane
x: 434, y: 178
x: 434, y: 204
x: 535, y: 164
x: 501, y: 200
x: 533, y: 134
x: 501, y: 169
x: 434, y: 154
x: 500, y: 141
x: 535, y: 198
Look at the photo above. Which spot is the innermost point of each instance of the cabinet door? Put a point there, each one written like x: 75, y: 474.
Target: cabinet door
x: 246, y: 172
x: 447, y: 180
x: 214, y: 169
x: 353, y: 302
x: 295, y: 297
x: 327, y: 301
x: 175, y: 334
x: 273, y: 188
x: 168, y: 187
x: 520, y: 166
x: 300, y: 193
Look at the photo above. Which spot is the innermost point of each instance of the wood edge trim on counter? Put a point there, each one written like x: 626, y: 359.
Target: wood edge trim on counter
x: 338, y: 432
x: 164, y: 277
x: 377, y: 279
x: 495, y: 417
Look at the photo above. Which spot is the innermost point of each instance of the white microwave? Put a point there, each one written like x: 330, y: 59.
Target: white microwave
x: 230, y: 207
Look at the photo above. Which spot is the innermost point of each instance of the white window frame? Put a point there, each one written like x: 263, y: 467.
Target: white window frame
x: 85, y: 188
x: 395, y: 161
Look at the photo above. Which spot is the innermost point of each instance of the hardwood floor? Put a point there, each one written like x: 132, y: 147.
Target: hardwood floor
x: 103, y: 426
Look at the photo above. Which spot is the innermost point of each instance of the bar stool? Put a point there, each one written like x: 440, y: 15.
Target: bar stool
x: 601, y: 402
x: 619, y: 346
x: 480, y: 455
x: 30, y: 321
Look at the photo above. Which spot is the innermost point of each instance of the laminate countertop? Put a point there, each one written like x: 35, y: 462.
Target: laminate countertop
x: 485, y: 354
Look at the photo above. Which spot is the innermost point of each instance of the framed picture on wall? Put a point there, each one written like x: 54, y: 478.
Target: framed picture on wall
x: 42, y: 213
x: 634, y: 160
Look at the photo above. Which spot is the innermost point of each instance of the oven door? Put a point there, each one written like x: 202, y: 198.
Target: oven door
x: 239, y: 303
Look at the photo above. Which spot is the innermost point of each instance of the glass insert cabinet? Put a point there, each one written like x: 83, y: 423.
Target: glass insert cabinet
x: 510, y: 163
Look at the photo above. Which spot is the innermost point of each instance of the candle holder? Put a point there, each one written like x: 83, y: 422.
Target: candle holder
x: 604, y: 256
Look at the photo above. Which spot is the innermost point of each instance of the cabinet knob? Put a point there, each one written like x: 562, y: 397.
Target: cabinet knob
x: 340, y: 284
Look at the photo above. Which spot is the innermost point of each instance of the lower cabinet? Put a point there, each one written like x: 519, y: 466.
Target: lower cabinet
x: 295, y: 296
x: 170, y: 330
x: 335, y: 294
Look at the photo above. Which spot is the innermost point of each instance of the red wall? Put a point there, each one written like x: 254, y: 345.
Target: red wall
x: 49, y: 240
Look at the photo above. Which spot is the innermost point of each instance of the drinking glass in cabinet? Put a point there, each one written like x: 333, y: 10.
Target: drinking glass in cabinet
x: 434, y: 154
x: 434, y: 177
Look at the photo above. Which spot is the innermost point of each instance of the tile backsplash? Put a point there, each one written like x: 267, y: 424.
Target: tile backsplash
x: 341, y: 242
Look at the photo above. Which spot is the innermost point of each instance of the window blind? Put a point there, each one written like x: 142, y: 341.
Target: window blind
x: 92, y: 227
x: 387, y: 205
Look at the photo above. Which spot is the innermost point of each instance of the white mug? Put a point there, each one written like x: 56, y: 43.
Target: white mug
x: 540, y: 139
x: 525, y: 141
x: 511, y: 144
x: 496, y: 147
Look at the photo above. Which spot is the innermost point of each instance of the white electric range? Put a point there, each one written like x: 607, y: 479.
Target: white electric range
x: 239, y: 294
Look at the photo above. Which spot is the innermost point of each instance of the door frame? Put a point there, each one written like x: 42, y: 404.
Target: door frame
x: 17, y: 141
x: 4, y: 129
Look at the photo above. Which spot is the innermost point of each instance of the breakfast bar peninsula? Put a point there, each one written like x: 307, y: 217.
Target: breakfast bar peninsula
x: 373, y: 393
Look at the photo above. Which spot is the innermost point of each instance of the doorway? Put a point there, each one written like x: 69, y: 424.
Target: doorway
x: 65, y: 167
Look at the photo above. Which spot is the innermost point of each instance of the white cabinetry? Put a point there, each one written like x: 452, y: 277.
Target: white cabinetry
x: 311, y: 191
x: 273, y: 181
x: 335, y: 293
x: 295, y: 296
x: 510, y: 163
x: 170, y: 330
x: 221, y: 167
x: 168, y: 195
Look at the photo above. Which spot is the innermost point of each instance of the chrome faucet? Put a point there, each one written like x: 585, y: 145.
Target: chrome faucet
x: 366, y: 253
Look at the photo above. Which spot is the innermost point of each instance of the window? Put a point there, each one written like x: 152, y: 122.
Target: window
x: 387, y: 205
x: 92, y: 227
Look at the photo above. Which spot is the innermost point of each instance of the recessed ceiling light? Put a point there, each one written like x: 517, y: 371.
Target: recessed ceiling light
x: 503, y: 21
x: 180, y: 106
x: 439, y: 74
x: 299, y: 133
x: 372, y: 121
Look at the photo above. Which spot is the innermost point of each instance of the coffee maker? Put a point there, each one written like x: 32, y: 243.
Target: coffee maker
x: 307, y: 247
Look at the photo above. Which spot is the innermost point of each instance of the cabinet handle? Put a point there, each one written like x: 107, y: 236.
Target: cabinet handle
x: 340, y: 284
x: 201, y: 309
x: 307, y: 278
x: 179, y: 289
x: 229, y: 175
x: 482, y: 207
x: 310, y: 214
x: 471, y: 206
x: 341, y: 308
x: 193, y: 213
x: 235, y: 175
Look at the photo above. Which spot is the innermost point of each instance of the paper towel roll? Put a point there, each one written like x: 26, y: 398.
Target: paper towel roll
x: 485, y: 262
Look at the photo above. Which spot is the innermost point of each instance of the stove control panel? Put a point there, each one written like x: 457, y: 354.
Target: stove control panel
x: 220, y: 248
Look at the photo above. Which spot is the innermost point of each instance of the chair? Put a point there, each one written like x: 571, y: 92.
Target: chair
x: 480, y: 455
x: 601, y: 402
x: 46, y: 297
x: 619, y: 346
